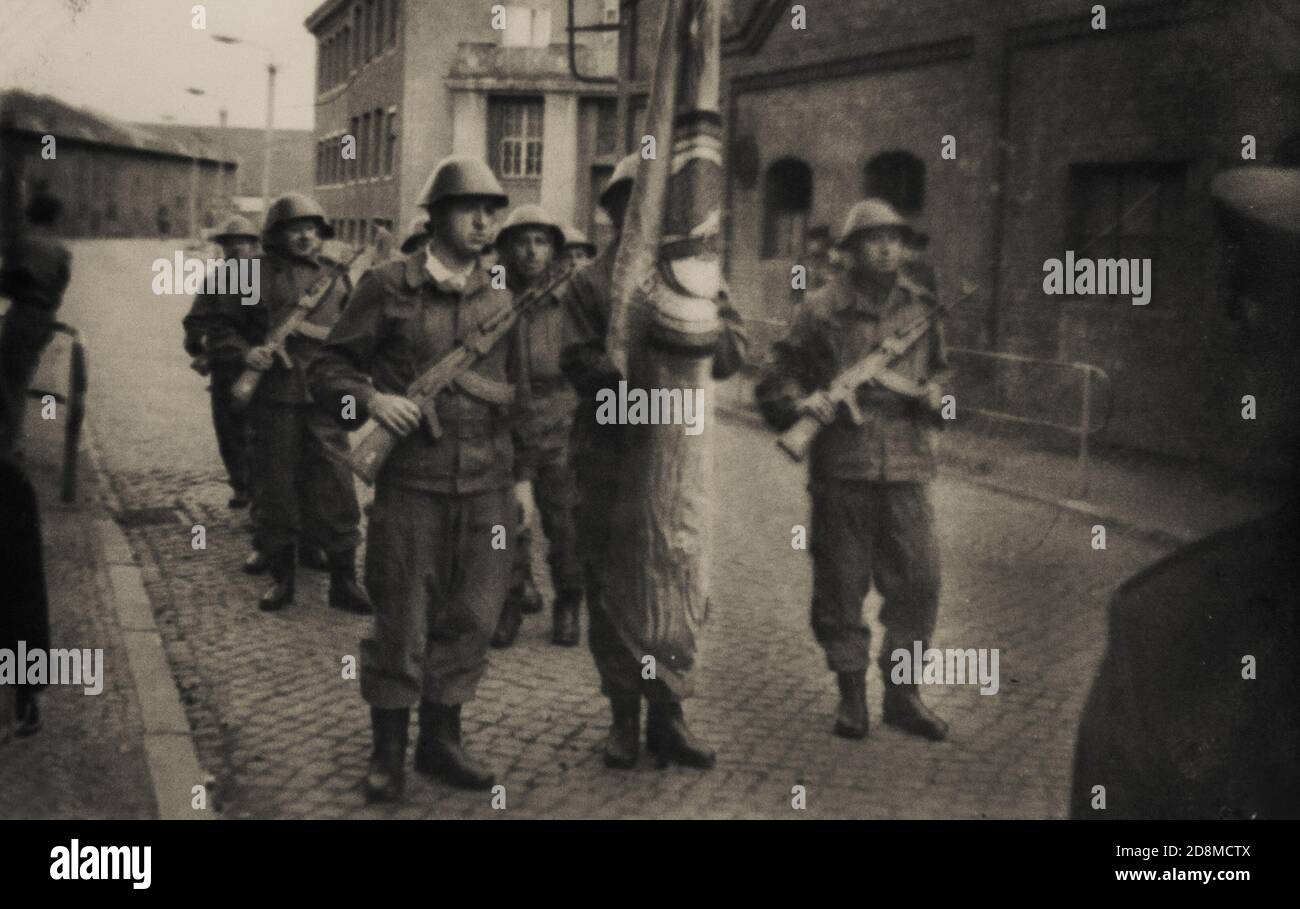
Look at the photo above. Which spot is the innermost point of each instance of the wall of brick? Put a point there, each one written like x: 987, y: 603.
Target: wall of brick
x: 1179, y: 82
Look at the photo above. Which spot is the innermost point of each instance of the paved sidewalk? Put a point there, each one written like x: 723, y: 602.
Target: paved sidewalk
x: 89, y: 760
x: 1171, y: 501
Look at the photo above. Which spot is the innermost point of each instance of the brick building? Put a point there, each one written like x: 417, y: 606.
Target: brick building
x: 292, y: 158
x: 118, y: 179
x: 416, y: 81
x: 1103, y: 141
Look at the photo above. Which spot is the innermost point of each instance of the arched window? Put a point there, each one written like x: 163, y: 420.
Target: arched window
x: 898, y: 177
x: 787, y: 203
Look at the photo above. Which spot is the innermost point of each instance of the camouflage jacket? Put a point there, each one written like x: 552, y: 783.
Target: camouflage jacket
x: 835, y: 329
x: 398, y: 324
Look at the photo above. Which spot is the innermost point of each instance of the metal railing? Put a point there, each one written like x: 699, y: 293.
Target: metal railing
x: 1083, y: 429
x: 74, y: 397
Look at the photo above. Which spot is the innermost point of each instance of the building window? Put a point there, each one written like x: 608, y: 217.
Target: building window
x: 1129, y: 211
x: 390, y: 142
x: 606, y: 126
x: 353, y: 172
x: 516, y: 124
x: 366, y: 152
x: 787, y: 203
x: 392, y: 21
x: 526, y: 27
x: 381, y: 35
x: 368, y: 27
x: 377, y: 145
x: 358, y: 28
x: 898, y: 177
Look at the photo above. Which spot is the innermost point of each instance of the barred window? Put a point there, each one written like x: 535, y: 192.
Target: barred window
x: 787, y: 202
x: 390, y: 144
x: 517, y: 147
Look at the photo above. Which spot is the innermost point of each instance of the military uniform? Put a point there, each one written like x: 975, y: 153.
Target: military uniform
x: 869, y: 498
x: 547, y: 404
x: 229, y: 423
x: 302, y: 491
x: 598, y: 455
x: 437, y: 581
x: 871, y: 515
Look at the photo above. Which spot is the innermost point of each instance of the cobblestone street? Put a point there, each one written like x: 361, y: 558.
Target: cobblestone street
x: 286, y: 736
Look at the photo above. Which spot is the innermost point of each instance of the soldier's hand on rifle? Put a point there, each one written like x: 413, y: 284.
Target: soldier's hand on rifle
x: 260, y: 358
x: 395, y: 413
x: 819, y: 406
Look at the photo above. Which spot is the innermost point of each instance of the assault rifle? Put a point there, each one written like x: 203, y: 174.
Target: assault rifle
x: 241, y: 392
x: 873, y: 368
x: 376, y: 442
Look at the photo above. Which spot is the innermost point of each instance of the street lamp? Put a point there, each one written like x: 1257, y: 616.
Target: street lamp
x: 270, y: 110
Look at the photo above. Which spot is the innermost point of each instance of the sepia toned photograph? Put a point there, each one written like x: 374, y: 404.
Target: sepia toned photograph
x: 632, y: 410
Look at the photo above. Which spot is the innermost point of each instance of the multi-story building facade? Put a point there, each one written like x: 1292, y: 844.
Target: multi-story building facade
x: 413, y: 82
x: 1061, y: 135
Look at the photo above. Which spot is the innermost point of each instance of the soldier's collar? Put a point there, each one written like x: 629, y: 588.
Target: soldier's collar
x: 417, y: 274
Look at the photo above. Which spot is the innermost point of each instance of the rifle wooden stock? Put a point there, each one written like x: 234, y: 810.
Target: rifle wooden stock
x: 874, y: 367
x: 375, y: 441
x: 241, y: 393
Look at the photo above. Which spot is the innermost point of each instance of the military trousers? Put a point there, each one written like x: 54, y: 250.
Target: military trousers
x: 438, y: 582
x: 231, y: 426
x: 619, y: 667
x: 863, y: 533
x: 555, y: 492
x: 302, y: 489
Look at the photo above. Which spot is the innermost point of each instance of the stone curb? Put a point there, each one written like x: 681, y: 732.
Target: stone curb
x: 173, y: 763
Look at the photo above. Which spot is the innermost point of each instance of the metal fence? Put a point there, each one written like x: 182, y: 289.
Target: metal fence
x: 1007, y: 380
x: 73, y: 396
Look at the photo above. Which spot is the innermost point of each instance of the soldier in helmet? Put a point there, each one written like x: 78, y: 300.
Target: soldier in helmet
x: 578, y: 250
x: 442, y: 504
x: 238, y: 240
x: 598, y: 454
x: 303, y: 495
x: 417, y: 234
x: 871, y: 514
x: 528, y: 244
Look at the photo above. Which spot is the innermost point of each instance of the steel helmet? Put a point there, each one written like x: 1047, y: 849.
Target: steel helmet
x: 416, y: 232
x: 532, y: 216
x: 237, y: 226
x: 461, y: 176
x: 625, y: 172
x: 296, y: 205
x: 575, y: 237
x: 870, y: 214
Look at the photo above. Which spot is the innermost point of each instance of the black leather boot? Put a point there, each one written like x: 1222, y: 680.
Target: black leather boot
x: 508, y: 625
x: 345, y: 593
x: 313, y: 557
x: 385, y: 775
x: 903, y: 708
x: 439, y: 753
x: 566, y: 628
x: 671, y: 742
x: 280, y: 595
x: 257, y: 562
x: 623, y: 743
x: 851, y: 720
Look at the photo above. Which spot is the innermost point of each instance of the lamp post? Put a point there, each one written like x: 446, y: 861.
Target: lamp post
x: 270, y: 111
